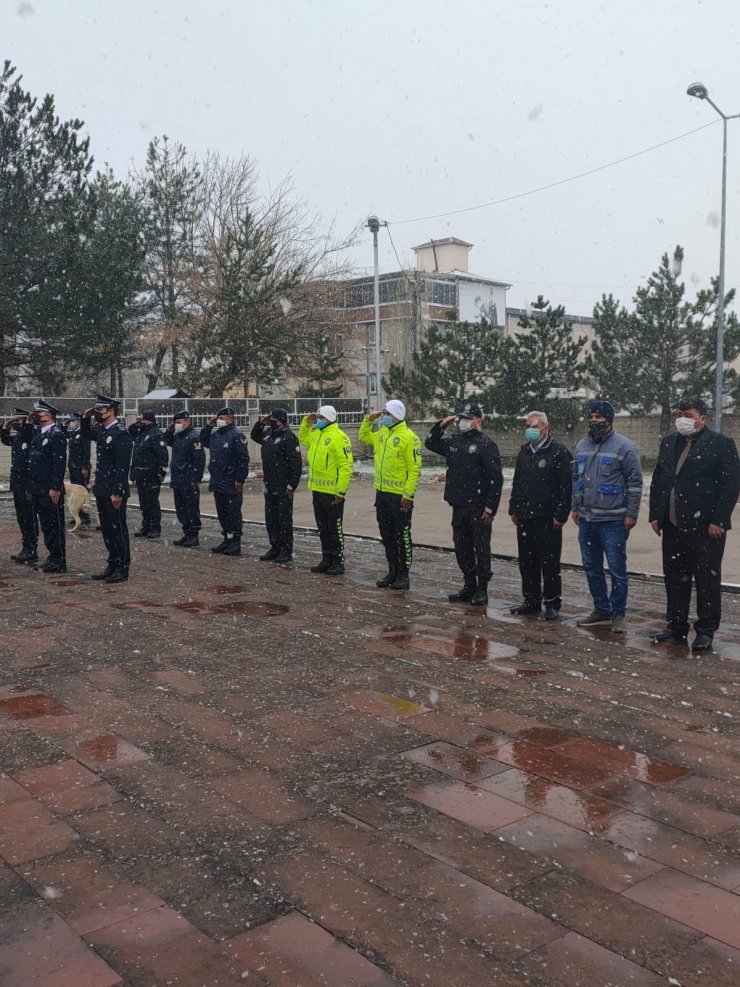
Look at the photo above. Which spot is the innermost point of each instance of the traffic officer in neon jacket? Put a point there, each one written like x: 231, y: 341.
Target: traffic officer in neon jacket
x: 329, y: 473
x: 397, y: 453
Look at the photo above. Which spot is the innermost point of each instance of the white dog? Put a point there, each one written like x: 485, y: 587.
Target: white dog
x: 78, y: 500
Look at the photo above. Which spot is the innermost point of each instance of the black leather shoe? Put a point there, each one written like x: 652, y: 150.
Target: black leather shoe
x: 141, y: 533
x: 465, y: 595
x: 234, y: 548
x: 284, y: 558
x: 702, y: 642
x: 269, y: 556
x: 386, y: 581
x: 108, y: 571
x: 525, y: 609
x: 25, y: 556
x: 152, y: 535
x: 401, y: 582
x: 479, y: 598
x: 335, y: 569
x: 670, y: 636
x: 117, y: 576
x: 322, y: 566
x: 551, y: 613
x: 51, y: 567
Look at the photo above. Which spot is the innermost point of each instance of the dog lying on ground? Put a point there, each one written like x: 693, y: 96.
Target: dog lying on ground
x: 78, y: 501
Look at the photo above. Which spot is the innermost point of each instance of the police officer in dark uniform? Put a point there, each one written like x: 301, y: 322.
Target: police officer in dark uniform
x: 111, y: 488
x: 78, y: 455
x: 228, y: 466
x: 281, y: 465
x: 47, y: 463
x: 17, y: 433
x: 186, y: 471
x: 148, y: 469
x: 473, y: 488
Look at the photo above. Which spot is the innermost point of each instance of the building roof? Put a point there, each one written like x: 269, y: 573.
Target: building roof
x: 165, y: 394
x: 444, y: 242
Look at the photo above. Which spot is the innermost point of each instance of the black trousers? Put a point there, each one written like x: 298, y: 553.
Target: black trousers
x: 187, y: 508
x: 540, y: 546
x: 395, y: 531
x: 472, y: 541
x: 229, y: 510
x: 151, y: 514
x: 25, y: 515
x: 51, y: 518
x: 279, y: 521
x: 115, y: 532
x: 75, y: 476
x: 697, y: 558
x: 329, y: 522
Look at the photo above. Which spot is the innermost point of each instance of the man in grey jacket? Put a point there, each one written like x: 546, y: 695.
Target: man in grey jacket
x: 607, y: 488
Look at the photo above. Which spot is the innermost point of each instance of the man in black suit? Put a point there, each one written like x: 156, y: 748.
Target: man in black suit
x: 47, y: 462
x: 111, y: 487
x: 692, y: 495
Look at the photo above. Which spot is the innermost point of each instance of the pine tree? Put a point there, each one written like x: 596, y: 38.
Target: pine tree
x: 321, y: 368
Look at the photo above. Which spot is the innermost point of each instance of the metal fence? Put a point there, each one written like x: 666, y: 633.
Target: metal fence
x: 350, y: 411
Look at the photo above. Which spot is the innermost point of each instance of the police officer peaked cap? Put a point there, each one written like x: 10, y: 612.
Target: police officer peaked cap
x: 225, y: 411
x: 42, y: 405
x: 471, y: 410
x: 75, y: 414
x: 148, y: 416
x: 280, y: 415
x: 101, y: 401
x: 180, y: 415
x: 20, y: 413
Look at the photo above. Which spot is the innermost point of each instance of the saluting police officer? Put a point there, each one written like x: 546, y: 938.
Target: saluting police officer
x: 228, y: 466
x: 17, y: 433
x: 281, y: 465
x: 111, y: 487
x: 186, y: 472
x: 47, y: 462
x: 78, y: 455
x: 148, y: 468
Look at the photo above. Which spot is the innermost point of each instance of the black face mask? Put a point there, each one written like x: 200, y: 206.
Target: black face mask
x: 99, y: 417
x: 36, y: 419
x: 597, y: 430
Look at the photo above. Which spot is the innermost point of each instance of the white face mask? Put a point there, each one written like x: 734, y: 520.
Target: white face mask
x: 465, y: 424
x: 685, y: 426
x: 221, y: 423
x: 179, y: 426
x: 72, y: 427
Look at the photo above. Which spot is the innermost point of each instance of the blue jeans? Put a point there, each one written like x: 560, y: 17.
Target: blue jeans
x: 598, y: 539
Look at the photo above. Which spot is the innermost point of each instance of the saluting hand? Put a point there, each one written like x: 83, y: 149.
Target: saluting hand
x: 447, y: 421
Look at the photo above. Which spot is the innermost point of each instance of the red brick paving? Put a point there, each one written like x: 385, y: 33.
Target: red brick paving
x: 370, y: 794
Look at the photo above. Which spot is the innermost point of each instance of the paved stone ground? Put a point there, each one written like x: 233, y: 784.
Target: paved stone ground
x: 226, y: 772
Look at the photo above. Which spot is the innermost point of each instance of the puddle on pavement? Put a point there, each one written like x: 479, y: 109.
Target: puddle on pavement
x: 402, y: 707
x: 465, y: 645
x: 251, y: 609
x: 190, y: 606
x: 545, y: 736
x: 222, y: 590
x: 31, y: 707
x: 65, y: 583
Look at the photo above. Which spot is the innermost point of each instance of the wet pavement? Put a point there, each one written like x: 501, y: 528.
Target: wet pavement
x: 229, y: 772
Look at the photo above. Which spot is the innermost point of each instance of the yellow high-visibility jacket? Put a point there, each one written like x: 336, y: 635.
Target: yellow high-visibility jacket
x: 397, y: 457
x: 329, y: 458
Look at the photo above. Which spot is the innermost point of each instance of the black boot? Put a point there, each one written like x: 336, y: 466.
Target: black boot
x: 336, y: 568
x: 188, y: 541
x: 283, y: 558
x: 119, y: 575
x: 234, y: 547
x: 154, y: 534
x: 270, y: 555
x: 671, y: 635
x: 141, y: 533
x: 401, y: 581
x: 322, y: 566
x: 386, y: 581
x: 52, y: 566
x: 218, y: 549
x: 465, y: 595
x: 480, y: 597
x: 25, y: 555
x: 108, y: 571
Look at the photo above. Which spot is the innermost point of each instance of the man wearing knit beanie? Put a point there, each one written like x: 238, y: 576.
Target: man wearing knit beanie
x: 397, y: 455
x: 607, y: 488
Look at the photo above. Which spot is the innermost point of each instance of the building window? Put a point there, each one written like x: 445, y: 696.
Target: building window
x: 372, y: 380
x: 360, y: 295
x: 444, y: 293
x: 390, y: 291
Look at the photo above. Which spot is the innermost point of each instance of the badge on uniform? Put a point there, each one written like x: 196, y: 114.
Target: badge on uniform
x: 109, y: 440
x: 327, y: 442
x: 44, y: 441
x: 396, y: 440
x: 196, y: 445
x: 542, y: 463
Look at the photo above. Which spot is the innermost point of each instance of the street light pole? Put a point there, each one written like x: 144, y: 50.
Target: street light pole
x: 374, y: 224
x: 700, y: 91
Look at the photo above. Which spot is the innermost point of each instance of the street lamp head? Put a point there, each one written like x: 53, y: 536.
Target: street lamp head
x: 373, y: 224
x: 698, y: 89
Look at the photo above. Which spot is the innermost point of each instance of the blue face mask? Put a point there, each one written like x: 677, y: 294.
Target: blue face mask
x: 532, y: 434
x: 387, y: 420
x: 321, y: 423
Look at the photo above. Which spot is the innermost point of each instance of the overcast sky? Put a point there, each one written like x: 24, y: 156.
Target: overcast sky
x: 411, y: 108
